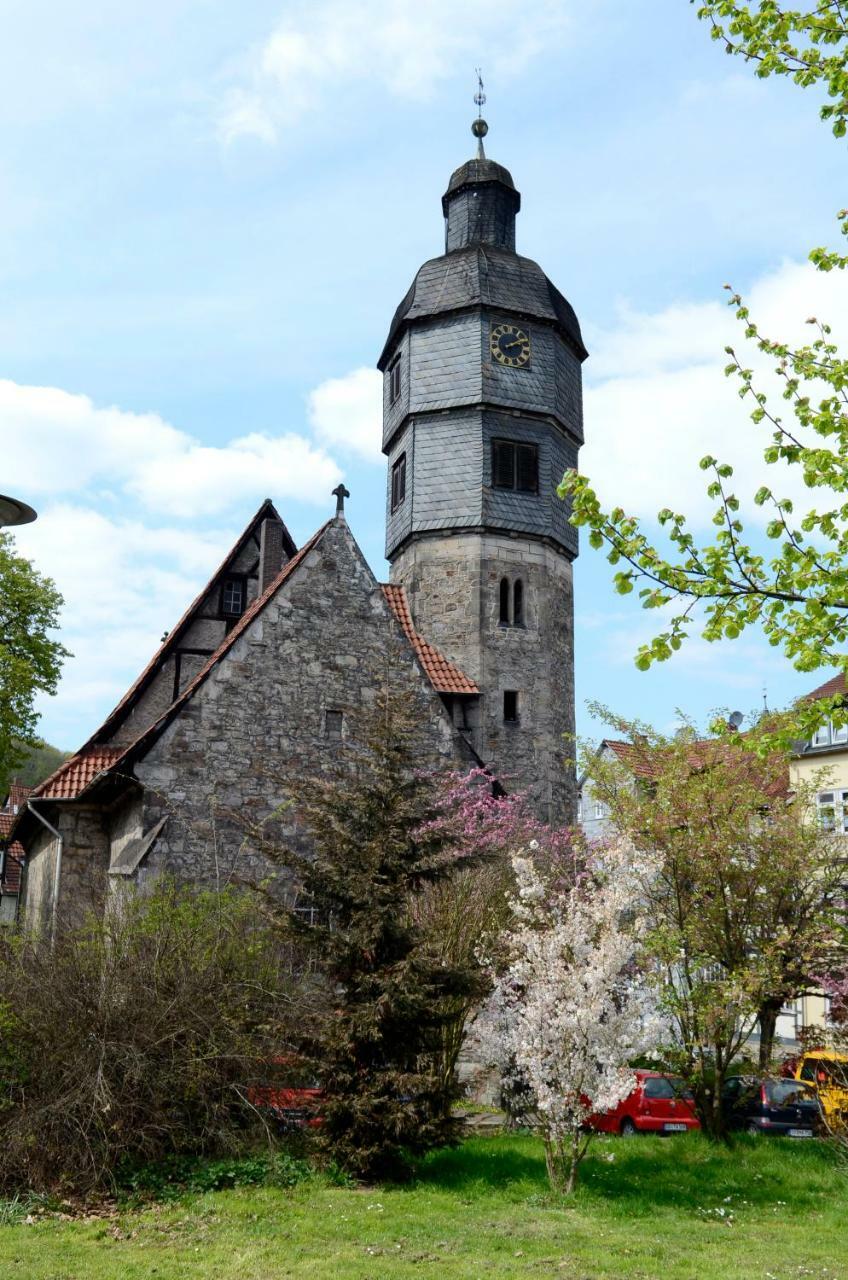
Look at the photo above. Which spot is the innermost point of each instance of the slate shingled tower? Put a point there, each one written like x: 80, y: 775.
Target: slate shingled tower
x: 482, y: 414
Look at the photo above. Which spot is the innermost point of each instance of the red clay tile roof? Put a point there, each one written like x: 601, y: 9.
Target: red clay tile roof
x: 701, y: 755
x: 640, y: 761
x: 829, y: 689
x: 14, y: 862
x: 14, y: 853
x: 631, y: 757
x: 444, y: 675
x: 17, y: 797
x: 75, y: 774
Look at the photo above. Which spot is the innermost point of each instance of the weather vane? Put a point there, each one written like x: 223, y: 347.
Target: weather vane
x: 479, y: 128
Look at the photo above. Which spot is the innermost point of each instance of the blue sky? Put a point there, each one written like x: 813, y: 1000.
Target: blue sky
x: 208, y: 213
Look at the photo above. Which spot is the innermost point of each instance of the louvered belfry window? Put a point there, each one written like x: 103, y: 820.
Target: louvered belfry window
x: 515, y: 466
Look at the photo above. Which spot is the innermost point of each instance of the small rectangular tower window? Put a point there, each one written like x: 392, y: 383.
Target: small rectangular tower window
x: 515, y: 466
x: 333, y: 724
x: 394, y: 380
x: 399, y: 482
x: 510, y: 706
x: 233, y: 597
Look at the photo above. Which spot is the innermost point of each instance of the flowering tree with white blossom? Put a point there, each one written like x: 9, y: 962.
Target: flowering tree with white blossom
x: 570, y: 1009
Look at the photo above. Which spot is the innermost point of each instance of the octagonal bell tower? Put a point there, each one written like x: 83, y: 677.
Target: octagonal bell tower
x: 482, y: 414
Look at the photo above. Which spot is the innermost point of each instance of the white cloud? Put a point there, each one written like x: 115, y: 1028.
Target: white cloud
x: 127, y: 579
x: 203, y: 479
x: 657, y: 399
x: 347, y: 413
x: 124, y: 583
x: 404, y: 46
x: 54, y: 442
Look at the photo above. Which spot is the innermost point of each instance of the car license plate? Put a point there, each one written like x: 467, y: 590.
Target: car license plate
x: 800, y: 1133
x: 672, y: 1127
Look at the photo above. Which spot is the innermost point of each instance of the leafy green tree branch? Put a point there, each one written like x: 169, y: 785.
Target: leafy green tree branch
x: 807, y: 44
x: 797, y: 592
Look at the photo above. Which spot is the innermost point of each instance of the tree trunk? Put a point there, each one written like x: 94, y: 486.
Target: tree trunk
x: 575, y: 1160
x: 550, y: 1165
x: 767, y: 1016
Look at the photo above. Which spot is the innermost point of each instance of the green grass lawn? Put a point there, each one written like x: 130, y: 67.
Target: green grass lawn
x: 647, y: 1207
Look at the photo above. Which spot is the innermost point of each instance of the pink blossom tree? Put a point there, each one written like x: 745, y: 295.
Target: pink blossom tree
x: 478, y: 824
x: 570, y: 1010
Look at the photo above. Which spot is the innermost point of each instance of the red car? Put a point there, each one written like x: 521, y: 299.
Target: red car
x: 657, y: 1104
x: 288, y: 1094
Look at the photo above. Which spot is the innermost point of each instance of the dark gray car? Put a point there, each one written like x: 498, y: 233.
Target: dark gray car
x: 787, y: 1108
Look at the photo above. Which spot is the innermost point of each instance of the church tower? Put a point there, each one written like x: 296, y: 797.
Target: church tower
x: 482, y: 414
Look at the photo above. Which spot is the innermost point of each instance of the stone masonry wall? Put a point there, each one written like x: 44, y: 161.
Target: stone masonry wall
x: 453, y: 584
x: 258, y: 723
x: 85, y: 859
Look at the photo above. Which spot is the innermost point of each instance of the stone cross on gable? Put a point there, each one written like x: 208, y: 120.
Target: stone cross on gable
x: 340, y: 493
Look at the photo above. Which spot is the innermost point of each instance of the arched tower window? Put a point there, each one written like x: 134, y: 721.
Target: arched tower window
x: 504, y: 602
x: 518, y: 603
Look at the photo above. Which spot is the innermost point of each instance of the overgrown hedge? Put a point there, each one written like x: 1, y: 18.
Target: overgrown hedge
x: 137, y: 1036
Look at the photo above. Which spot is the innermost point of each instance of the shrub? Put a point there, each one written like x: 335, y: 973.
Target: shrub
x: 175, y: 1176
x: 136, y: 1037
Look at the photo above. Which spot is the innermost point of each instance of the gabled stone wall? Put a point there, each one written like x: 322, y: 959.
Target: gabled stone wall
x: 257, y: 725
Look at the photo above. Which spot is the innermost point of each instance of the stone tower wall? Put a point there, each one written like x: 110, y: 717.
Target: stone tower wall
x: 453, y: 585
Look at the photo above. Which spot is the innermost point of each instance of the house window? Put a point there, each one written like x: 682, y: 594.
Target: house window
x: 821, y: 737
x: 504, y: 618
x: 839, y: 733
x: 515, y: 466
x: 833, y: 811
x: 399, y: 482
x: 510, y: 706
x: 394, y: 380
x: 600, y: 809
x: 518, y: 603
x: 333, y: 725
x: 232, y: 597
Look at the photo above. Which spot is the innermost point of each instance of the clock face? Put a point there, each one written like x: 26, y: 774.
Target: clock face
x: 509, y: 345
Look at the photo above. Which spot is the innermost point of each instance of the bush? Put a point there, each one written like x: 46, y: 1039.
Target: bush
x: 176, y: 1176
x: 137, y: 1036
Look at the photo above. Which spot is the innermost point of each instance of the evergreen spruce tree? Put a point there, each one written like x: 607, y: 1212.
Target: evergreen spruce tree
x: 375, y: 840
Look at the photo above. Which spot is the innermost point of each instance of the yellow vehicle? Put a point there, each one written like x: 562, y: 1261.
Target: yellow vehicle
x: 827, y: 1072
